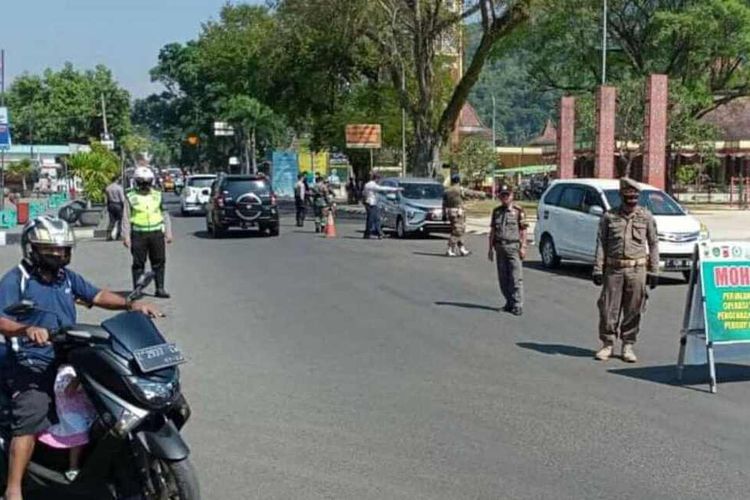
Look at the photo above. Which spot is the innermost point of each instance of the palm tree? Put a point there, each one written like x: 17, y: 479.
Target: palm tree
x: 21, y: 169
x: 250, y: 118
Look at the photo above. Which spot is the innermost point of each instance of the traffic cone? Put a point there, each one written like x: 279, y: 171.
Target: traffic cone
x: 330, y: 226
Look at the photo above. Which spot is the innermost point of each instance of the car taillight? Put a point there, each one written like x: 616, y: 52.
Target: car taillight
x: 220, y: 202
x: 273, y: 199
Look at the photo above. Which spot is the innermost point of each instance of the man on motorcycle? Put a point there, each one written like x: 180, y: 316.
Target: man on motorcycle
x: 42, y: 277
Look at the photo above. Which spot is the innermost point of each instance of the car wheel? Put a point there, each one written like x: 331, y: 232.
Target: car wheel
x: 686, y: 275
x: 274, y: 230
x: 550, y: 259
x: 400, y: 228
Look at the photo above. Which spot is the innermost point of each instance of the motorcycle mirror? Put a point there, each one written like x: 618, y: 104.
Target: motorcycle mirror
x: 23, y: 308
x: 144, y: 280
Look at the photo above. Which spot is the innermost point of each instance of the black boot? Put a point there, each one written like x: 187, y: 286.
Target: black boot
x: 159, y: 279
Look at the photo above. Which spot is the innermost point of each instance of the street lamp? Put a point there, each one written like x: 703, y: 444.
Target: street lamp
x: 604, y: 43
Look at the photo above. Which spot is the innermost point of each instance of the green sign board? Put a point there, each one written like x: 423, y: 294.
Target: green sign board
x: 727, y: 301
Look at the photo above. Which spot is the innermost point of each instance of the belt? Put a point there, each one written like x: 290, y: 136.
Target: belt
x: 500, y: 241
x: 626, y: 263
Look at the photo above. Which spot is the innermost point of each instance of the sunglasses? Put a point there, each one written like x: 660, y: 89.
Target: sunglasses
x: 504, y: 194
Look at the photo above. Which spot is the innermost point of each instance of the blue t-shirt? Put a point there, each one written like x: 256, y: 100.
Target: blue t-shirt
x: 56, y: 299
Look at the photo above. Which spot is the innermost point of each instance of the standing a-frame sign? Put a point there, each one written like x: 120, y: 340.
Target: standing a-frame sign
x: 717, y: 308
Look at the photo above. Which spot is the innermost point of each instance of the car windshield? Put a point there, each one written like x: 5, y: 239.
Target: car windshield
x: 422, y: 191
x: 239, y: 187
x: 200, y: 182
x: 658, y: 202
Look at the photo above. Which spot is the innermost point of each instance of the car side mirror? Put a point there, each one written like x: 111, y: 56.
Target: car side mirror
x: 23, y: 308
x: 596, y: 210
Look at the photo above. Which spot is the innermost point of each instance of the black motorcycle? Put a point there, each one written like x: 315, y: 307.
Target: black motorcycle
x: 135, y: 451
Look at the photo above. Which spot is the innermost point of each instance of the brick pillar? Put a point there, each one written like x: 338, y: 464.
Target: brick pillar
x: 655, y: 131
x: 606, y: 104
x: 566, y: 138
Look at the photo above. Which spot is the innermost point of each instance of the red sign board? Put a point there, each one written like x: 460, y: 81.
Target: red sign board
x: 363, y: 136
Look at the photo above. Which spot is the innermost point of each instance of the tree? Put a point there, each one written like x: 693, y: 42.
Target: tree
x: 475, y: 159
x: 21, y: 169
x: 251, y: 119
x: 65, y: 106
x: 96, y: 169
x: 419, y: 39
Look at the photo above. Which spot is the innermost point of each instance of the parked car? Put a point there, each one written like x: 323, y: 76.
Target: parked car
x: 196, y: 194
x: 242, y: 201
x: 569, y: 214
x: 417, y: 208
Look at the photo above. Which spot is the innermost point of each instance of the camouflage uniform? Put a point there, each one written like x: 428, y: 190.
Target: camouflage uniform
x: 627, y: 250
x: 321, y: 203
x: 453, y: 208
x: 508, y: 223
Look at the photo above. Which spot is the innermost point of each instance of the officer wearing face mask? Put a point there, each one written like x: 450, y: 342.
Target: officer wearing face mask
x: 627, y: 260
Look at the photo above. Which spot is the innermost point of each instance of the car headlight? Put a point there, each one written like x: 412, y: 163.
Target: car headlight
x: 154, y: 393
x: 704, y: 234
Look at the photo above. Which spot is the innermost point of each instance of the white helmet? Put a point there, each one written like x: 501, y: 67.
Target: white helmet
x: 143, y: 175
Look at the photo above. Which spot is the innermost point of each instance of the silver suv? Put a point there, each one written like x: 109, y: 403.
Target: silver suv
x: 417, y: 208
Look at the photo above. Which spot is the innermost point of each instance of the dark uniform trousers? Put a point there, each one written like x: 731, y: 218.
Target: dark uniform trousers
x: 510, y: 272
x: 115, y: 219
x: 149, y: 245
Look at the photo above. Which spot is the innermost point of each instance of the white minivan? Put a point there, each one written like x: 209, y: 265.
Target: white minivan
x: 569, y: 214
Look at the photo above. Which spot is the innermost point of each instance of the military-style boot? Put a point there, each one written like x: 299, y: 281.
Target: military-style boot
x: 450, y: 252
x: 604, y: 353
x: 628, y: 355
x: 463, y: 250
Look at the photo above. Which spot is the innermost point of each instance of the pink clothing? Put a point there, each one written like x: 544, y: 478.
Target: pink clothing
x: 74, y: 412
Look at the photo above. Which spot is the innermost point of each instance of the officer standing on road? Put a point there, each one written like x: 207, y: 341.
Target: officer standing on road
x: 115, y: 207
x: 627, y: 260
x: 321, y: 201
x: 453, y: 211
x: 508, y: 228
x: 300, y: 192
x: 147, y: 228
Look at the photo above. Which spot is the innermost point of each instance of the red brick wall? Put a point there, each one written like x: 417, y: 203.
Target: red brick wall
x: 655, y: 131
x: 566, y: 138
x: 606, y: 104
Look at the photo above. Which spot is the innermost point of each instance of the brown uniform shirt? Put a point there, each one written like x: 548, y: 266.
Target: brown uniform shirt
x: 627, y: 237
x: 508, y: 223
x: 453, y: 197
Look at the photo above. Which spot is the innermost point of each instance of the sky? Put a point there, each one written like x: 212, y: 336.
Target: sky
x: 124, y: 35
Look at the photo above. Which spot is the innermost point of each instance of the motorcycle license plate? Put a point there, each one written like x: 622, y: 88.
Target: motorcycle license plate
x: 156, y: 357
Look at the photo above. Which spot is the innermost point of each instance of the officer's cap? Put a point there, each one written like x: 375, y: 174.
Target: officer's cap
x: 505, y: 189
x: 627, y: 183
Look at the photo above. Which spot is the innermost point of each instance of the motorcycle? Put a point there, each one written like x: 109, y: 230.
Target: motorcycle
x: 130, y: 373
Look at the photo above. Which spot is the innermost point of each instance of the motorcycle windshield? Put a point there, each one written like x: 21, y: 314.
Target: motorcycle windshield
x: 132, y: 331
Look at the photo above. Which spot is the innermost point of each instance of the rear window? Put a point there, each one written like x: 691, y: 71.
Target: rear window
x: 553, y: 197
x: 200, y: 182
x: 238, y: 187
x: 657, y: 202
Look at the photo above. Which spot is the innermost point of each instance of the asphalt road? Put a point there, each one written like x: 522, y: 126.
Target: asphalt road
x: 353, y: 369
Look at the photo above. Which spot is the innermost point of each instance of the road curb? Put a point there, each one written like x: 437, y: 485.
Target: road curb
x: 14, y: 238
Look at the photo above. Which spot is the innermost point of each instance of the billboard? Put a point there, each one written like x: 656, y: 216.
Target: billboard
x: 363, y: 136
x: 285, y: 168
x: 5, y: 141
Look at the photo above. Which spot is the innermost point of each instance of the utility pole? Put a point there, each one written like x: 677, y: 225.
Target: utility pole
x: 494, y: 144
x: 604, y: 43
x: 403, y: 126
x: 2, y: 151
x: 104, y: 118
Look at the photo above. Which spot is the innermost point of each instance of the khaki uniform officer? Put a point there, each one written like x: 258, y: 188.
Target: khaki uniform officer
x: 627, y: 251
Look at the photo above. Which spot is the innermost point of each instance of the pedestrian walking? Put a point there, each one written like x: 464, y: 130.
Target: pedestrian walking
x: 300, y: 193
x: 627, y: 261
x: 147, y: 229
x: 115, y: 206
x: 321, y: 202
x: 508, y: 229
x: 370, y: 195
x: 453, y: 212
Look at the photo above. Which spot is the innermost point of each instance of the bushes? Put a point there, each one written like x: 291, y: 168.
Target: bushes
x: 96, y: 170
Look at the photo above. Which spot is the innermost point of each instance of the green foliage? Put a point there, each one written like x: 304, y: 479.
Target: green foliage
x: 21, y: 170
x: 96, y: 169
x: 65, y: 106
x: 686, y: 174
x: 475, y: 159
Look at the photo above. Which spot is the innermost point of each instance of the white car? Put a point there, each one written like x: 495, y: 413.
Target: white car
x: 196, y: 194
x: 570, y: 210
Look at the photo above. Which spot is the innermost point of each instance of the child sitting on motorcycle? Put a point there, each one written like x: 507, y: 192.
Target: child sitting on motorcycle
x: 75, y: 414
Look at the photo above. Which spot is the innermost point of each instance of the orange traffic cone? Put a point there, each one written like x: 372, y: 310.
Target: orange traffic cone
x: 330, y: 226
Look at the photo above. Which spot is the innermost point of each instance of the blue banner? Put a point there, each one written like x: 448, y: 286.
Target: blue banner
x: 285, y: 168
x: 4, y: 129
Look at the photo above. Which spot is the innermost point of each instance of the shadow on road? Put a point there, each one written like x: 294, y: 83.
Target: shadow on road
x: 231, y: 235
x: 572, y: 269
x: 467, y: 305
x: 694, y: 375
x: 430, y: 254
x: 558, y: 349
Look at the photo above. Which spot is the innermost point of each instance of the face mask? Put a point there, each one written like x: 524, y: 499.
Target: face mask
x: 52, y: 263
